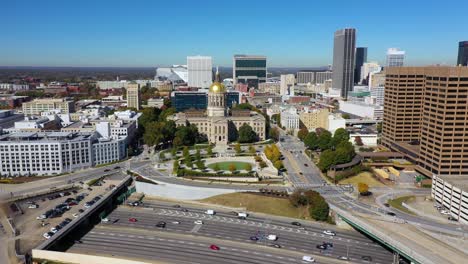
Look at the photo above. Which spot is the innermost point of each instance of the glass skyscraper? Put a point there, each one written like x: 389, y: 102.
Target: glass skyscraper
x: 249, y: 69
x: 344, y: 49
x: 462, y: 53
x: 361, y: 58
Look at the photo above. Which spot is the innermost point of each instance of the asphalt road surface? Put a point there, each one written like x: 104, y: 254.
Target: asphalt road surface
x: 226, y: 226
x: 170, y: 248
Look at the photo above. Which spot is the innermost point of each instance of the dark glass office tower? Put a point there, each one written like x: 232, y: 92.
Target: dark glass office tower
x: 343, y: 60
x: 462, y: 53
x: 249, y: 69
x: 361, y: 58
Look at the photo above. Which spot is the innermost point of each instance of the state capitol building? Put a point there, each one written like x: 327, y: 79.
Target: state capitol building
x: 216, y: 123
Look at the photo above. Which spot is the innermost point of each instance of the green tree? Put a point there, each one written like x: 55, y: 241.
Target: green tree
x: 175, y: 167
x: 248, y: 167
x: 327, y: 159
x: 188, y: 134
x: 200, y: 164
x: 274, y: 134
x: 302, y: 133
x: 345, y: 116
x: 153, y: 135
x: 344, y: 152
x: 341, y: 135
x: 237, y: 148
x: 188, y: 161
x: 216, y: 167
x: 197, y: 155
x: 262, y: 164
x: 319, y: 208
x: 209, y: 151
x: 186, y: 152
x: 252, y: 150
x: 246, y: 134
x: 232, y: 167
x: 324, y: 140
x: 311, y: 140
x: 173, y: 152
x: 297, y: 198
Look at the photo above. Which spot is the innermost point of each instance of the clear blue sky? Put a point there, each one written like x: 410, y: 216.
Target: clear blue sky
x: 163, y: 32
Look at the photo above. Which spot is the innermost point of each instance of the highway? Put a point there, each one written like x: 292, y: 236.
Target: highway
x: 171, y: 248
x: 226, y: 226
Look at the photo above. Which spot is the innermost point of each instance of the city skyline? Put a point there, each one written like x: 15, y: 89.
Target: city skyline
x: 157, y: 34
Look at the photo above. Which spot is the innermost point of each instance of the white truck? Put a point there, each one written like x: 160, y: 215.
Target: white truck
x: 242, y: 215
x: 210, y: 212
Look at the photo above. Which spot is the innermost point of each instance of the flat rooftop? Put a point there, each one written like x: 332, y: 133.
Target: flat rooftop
x: 457, y: 181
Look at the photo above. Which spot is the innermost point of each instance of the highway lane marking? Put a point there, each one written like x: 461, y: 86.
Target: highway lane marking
x: 218, y: 218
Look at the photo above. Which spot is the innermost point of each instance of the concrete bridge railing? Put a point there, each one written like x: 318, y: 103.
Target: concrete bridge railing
x: 385, y: 239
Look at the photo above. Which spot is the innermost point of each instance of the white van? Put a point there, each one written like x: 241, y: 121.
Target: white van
x: 210, y: 212
x: 242, y: 215
x: 272, y: 237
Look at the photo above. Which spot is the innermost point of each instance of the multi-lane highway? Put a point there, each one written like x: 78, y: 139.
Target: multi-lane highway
x: 226, y: 226
x: 169, y: 248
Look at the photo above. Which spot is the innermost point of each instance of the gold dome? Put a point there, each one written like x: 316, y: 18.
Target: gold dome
x: 217, y: 87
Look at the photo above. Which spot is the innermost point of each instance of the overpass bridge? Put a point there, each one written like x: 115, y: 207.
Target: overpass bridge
x: 402, y: 238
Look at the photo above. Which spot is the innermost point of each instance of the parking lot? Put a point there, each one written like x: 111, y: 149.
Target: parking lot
x: 53, y: 209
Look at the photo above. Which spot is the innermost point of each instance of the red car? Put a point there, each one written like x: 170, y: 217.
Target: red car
x: 214, y: 247
x: 133, y: 220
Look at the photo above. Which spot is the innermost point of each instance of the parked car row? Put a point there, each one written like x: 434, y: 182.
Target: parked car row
x: 56, y: 228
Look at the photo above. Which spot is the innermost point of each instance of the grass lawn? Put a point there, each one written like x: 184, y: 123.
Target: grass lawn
x: 225, y: 165
x: 397, y: 203
x: 258, y: 203
x: 364, y: 177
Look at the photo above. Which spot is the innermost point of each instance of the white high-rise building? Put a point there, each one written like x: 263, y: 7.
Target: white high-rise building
x: 286, y: 82
x: 200, y: 71
x: 368, y: 68
x: 395, y: 57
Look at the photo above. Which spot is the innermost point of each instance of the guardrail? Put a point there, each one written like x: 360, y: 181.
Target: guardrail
x: 75, y: 222
x: 385, y: 239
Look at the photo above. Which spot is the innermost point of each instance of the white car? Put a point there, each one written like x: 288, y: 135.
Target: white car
x: 308, y: 259
x: 210, y: 212
x: 76, y: 215
x: 198, y: 222
x: 46, y: 235
x: 176, y: 222
x: 105, y: 220
x: 329, y: 233
x: 272, y: 237
x: 42, y: 216
x: 33, y: 206
x: 445, y: 212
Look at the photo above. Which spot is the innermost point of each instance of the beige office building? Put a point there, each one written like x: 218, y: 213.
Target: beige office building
x: 425, y: 115
x: 133, y: 95
x: 38, y: 106
x: 270, y: 87
x: 315, y: 118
